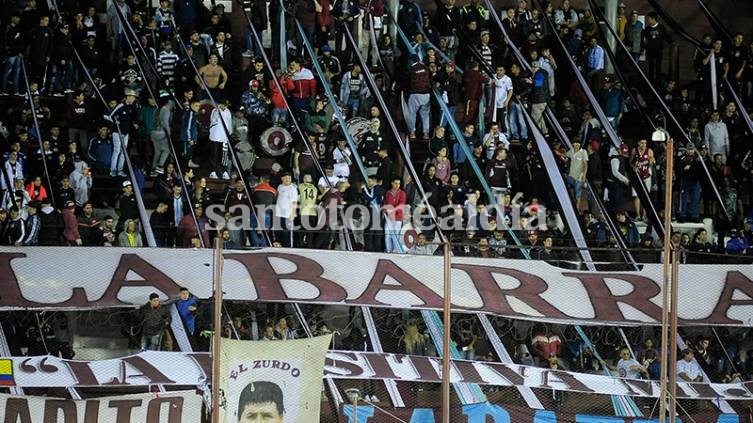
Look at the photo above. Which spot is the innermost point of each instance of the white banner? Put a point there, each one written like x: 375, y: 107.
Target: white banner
x: 281, y: 380
x: 54, y: 277
x: 171, y: 407
x: 177, y: 368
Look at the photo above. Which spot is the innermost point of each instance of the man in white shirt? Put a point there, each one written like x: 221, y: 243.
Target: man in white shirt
x: 221, y: 124
x: 576, y: 175
x: 628, y: 367
x: 502, y: 96
x: 716, y: 136
x: 286, y: 209
x: 329, y: 175
x: 342, y: 159
x: 687, y: 368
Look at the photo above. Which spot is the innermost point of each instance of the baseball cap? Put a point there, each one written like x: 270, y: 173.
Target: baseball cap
x: 69, y: 204
x: 126, y: 183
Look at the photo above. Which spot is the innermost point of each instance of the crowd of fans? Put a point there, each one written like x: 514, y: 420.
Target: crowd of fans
x: 171, y: 98
x: 142, y: 84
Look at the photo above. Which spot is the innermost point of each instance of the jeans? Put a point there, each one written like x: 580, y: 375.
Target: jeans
x: 161, y: 148
x: 692, y: 189
x: 418, y: 103
x: 62, y: 77
x: 279, y: 116
x: 443, y: 118
x: 392, y: 236
x: 118, y: 151
x: 151, y: 342
x: 353, y: 105
x: 257, y: 236
x: 12, y: 65
x: 517, y: 122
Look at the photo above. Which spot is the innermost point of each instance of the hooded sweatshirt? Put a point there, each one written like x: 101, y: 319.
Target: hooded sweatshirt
x: 81, y: 182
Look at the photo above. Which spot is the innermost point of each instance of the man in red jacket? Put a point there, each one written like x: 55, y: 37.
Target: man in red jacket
x: 394, y: 203
x: 304, y: 88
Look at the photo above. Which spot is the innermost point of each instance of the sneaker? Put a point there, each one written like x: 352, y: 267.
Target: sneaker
x: 68, y: 91
x: 159, y: 170
x: 113, y: 173
x: 412, y: 135
x: 213, y: 175
x: 58, y: 95
x: 193, y: 165
x: 374, y: 398
x: 19, y: 94
x: 426, y: 137
x: 225, y: 176
x: 123, y: 174
x: 153, y: 174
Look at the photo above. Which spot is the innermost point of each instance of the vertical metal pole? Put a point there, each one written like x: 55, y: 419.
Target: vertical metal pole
x: 217, y: 329
x: 446, y: 341
x: 666, y: 280
x: 673, y: 337
x: 610, y: 13
x: 355, y: 408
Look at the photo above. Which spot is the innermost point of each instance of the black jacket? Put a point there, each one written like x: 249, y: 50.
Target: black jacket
x: 40, y: 45
x: 154, y: 320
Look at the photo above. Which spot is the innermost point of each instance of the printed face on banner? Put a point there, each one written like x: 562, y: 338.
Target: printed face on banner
x: 270, y: 382
x: 263, y: 391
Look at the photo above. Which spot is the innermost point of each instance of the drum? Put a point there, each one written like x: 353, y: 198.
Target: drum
x: 357, y: 127
x: 275, y: 141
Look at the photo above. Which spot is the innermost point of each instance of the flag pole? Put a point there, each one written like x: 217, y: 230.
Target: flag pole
x: 446, y: 340
x: 217, y: 329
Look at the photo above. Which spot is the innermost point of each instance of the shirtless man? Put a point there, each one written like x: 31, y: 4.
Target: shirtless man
x: 214, y: 76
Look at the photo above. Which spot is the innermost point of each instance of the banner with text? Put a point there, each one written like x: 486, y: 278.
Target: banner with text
x: 272, y: 379
x: 170, y: 407
x: 53, y: 277
x: 187, y: 369
x: 485, y: 412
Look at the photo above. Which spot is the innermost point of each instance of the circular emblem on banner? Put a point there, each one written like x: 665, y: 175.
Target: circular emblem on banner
x: 275, y: 141
x: 357, y: 127
x: 409, y: 237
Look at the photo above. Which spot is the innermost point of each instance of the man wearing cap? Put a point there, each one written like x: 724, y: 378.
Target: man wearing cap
x: 330, y: 64
x: 33, y: 224
x: 124, y: 118
x: 612, y: 101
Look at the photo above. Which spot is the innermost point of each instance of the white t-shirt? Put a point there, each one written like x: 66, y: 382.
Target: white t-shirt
x: 333, y: 180
x: 690, y: 368
x: 502, y: 86
x: 287, y: 196
x: 577, y: 163
x: 624, y: 367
